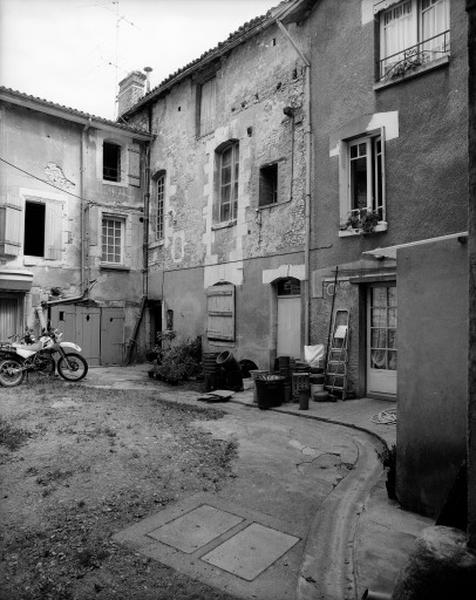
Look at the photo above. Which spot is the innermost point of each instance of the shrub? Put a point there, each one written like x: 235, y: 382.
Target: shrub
x: 180, y: 361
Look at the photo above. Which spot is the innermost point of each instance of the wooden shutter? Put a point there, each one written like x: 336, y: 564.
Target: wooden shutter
x: 208, y: 95
x: 11, y: 227
x: 134, y: 165
x: 221, y: 312
x: 53, y: 230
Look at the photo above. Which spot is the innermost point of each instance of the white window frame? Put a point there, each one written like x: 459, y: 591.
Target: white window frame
x: 120, y: 169
x: 416, y: 49
x: 121, y: 220
x: 374, y: 203
x: 233, y: 184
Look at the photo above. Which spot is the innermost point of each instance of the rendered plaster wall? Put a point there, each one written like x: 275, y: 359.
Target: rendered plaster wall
x: 425, y: 121
x: 49, y: 148
x: 432, y: 372
x: 425, y: 162
x: 255, y: 81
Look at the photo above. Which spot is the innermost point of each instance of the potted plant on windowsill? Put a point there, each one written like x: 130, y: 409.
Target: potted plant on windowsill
x: 362, y: 220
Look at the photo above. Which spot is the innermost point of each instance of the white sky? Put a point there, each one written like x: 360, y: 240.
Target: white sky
x: 65, y: 50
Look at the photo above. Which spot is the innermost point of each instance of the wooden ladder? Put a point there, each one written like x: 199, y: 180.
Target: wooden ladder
x: 338, y: 356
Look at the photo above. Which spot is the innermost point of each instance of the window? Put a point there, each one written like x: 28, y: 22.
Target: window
x: 412, y: 33
x: 268, y: 184
x: 366, y: 176
x: 228, y: 171
x: 111, y: 162
x: 221, y: 312
x: 288, y: 287
x: 34, y: 239
x: 112, y: 240
x: 160, y: 197
x: 43, y: 229
x: 207, y: 100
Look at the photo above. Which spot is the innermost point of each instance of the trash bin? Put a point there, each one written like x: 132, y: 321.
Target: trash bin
x: 270, y: 391
x: 255, y: 374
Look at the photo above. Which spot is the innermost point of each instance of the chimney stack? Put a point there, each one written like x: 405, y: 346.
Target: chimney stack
x: 131, y: 90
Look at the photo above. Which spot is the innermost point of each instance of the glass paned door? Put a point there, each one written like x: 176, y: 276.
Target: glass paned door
x: 382, y: 340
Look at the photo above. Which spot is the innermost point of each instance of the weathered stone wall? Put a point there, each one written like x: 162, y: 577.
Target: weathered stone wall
x: 255, y: 82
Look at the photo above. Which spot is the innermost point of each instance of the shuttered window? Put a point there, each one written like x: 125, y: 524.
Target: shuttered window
x: 221, y: 312
x: 208, y: 101
x: 134, y: 165
x: 11, y: 227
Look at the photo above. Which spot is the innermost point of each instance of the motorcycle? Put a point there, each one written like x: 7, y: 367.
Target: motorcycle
x: 16, y: 358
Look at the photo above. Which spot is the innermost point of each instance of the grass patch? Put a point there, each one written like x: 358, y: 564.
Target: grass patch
x: 12, y: 437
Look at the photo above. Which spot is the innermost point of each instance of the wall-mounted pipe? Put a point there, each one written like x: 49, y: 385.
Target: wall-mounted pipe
x: 307, y: 200
x: 369, y: 595
x: 84, y: 266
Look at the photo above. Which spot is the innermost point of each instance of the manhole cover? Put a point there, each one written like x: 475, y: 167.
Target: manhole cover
x: 251, y: 551
x: 196, y: 528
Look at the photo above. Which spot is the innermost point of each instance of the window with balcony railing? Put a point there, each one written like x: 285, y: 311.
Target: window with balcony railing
x: 413, y: 33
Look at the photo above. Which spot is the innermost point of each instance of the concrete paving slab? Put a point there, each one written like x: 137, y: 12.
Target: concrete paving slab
x: 276, y: 582
x: 196, y: 528
x: 251, y: 551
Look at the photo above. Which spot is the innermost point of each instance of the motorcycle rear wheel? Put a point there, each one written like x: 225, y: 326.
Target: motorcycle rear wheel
x: 11, y: 372
x: 75, y: 370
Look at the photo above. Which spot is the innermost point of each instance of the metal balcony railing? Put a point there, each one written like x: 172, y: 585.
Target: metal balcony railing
x: 398, y: 64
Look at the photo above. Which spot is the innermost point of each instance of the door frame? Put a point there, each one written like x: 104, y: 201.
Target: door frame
x: 274, y: 314
x: 367, y: 305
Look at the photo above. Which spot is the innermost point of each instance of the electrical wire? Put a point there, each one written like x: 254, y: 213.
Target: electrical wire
x: 46, y: 182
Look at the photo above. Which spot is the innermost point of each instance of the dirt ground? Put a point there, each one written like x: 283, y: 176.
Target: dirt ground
x: 79, y: 464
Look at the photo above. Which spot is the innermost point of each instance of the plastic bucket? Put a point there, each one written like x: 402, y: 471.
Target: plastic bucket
x: 316, y: 387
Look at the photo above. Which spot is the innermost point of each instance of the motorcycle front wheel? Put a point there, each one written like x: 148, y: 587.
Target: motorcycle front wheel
x: 11, y: 372
x: 72, y: 367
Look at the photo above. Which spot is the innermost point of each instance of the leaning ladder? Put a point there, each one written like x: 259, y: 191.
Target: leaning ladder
x: 337, y: 359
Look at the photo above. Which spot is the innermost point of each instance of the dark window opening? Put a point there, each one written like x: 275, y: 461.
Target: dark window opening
x: 111, y: 161
x: 289, y: 287
x: 34, y: 242
x: 268, y: 185
x: 61, y: 315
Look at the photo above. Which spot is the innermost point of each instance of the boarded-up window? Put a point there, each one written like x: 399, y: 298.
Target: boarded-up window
x: 134, y: 165
x: 221, y: 312
x: 207, y: 106
x: 11, y: 225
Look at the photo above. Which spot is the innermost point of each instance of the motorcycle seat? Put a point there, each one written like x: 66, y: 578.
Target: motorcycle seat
x: 29, y: 347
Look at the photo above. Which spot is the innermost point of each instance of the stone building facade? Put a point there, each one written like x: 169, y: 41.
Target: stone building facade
x: 382, y: 233
x: 227, y: 195
x: 71, y: 224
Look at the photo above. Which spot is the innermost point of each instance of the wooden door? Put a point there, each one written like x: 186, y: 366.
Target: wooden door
x: 112, y: 336
x: 382, y: 340
x: 81, y: 325
x: 289, y: 342
x: 10, y: 317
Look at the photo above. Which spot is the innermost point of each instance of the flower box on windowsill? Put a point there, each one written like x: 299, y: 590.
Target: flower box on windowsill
x: 113, y: 267
x: 350, y: 231
x: 223, y: 225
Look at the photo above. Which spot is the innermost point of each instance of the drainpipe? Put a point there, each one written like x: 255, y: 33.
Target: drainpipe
x: 145, y: 279
x: 84, y: 215
x: 307, y: 200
